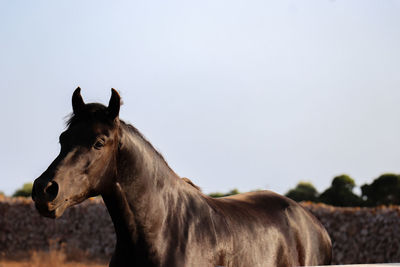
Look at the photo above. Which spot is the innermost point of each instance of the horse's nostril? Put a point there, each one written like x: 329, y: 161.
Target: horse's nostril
x: 51, y: 190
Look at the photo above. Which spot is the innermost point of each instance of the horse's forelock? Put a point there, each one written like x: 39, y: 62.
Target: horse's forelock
x: 90, y: 112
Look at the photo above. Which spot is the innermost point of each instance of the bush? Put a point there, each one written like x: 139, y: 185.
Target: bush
x: 303, y: 192
x: 384, y: 190
x: 24, y: 191
x: 341, y: 193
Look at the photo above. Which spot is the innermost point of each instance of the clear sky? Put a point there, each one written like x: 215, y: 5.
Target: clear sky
x: 245, y: 94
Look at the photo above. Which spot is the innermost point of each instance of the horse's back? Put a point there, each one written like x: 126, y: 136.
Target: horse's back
x: 276, y: 229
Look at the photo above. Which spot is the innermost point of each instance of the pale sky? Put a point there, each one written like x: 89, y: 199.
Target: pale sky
x: 234, y: 94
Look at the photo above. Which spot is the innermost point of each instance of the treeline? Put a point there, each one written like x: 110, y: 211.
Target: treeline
x: 384, y: 190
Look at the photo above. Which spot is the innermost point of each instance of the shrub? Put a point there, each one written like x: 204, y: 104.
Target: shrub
x: 24, y: 191
x: 341, y: 193
x: 384, y: 190
x: 304, y: 191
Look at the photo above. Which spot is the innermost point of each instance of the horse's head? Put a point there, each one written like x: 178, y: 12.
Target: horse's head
x: 87, y: 160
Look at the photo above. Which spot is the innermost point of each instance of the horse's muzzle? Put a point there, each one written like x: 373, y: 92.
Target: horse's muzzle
x: 44, y: 194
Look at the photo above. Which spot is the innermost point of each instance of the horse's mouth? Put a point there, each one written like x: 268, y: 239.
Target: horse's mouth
x: 50, y: 211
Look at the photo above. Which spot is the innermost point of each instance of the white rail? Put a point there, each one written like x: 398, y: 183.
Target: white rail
x: 368, y: 265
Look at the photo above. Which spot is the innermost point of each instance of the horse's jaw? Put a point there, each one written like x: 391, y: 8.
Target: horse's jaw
x: 51, y: 211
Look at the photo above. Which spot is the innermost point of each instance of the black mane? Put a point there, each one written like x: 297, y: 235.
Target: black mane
x: 133, y: 130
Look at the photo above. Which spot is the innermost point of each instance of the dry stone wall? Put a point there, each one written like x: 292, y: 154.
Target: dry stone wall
x: 84, y: 230
x: 359, y: 235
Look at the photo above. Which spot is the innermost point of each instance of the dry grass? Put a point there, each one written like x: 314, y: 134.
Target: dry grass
x: 53, y: 258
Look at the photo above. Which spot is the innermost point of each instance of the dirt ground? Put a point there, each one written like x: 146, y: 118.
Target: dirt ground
x: 49, y: 259
x: 45, y: 264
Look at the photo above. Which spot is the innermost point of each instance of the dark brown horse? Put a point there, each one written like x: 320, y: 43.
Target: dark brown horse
x: 160, y: 219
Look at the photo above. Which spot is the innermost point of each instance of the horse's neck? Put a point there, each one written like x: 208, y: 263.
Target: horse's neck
x: 139, y: 198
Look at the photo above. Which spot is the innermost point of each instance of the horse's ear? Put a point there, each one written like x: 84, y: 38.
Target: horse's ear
x: 77, y: 101
x: 114, y: 104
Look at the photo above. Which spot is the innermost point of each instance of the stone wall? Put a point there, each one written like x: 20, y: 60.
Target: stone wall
x: 359, y: 235
x: 84, y: 230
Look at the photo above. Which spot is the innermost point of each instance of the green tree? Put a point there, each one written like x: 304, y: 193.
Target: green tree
x: 230, y: 193
x: 304, y: 191
x: 341, y: 193
x: 24, y: 191
x: 384, y: 190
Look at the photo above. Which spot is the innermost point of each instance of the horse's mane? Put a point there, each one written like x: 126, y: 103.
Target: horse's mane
x: 133, y: 130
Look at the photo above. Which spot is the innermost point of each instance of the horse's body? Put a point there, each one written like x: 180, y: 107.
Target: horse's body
x: 162, y: 220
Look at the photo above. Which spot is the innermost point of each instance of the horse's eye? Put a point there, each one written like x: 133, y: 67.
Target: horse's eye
x: 99, y: 144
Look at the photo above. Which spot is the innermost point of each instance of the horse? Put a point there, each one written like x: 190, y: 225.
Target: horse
x: 161, y: 219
